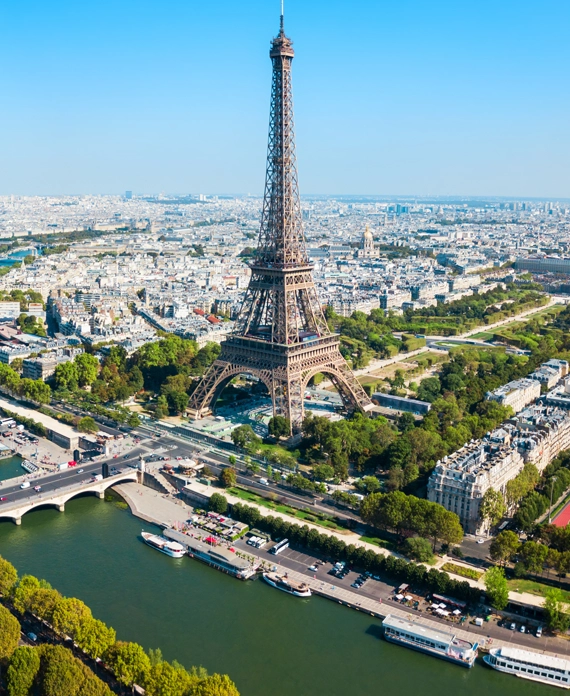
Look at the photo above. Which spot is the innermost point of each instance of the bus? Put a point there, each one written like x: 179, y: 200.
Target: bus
x: 280, y: 546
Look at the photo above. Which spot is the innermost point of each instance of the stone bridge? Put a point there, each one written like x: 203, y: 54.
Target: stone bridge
x: 57, y: 498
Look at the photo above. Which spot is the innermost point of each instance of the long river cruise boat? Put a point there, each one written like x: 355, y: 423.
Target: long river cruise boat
x: 546, y: 669
x: 422, y: 637
x: 170, y: 548
x: 286, y: 584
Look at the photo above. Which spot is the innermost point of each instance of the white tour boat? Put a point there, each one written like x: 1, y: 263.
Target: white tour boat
x: 429, y: 638
x: 546, y: 669
x: 170, y: 548
x: 286, y: 584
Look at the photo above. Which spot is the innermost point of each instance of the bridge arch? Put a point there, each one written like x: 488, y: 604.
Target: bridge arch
x: 59, y: 500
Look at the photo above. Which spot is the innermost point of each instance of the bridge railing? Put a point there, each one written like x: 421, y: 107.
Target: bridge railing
x: 47, y: 496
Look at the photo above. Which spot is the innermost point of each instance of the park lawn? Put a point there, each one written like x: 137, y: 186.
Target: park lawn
x: 383, y: 543
x: 285, y: 509
x: 533, y: 587
x: 482, y: 336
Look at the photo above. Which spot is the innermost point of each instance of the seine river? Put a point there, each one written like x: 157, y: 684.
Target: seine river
x: 270, y: 643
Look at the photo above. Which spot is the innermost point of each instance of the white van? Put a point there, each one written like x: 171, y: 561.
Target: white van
x: 26, y: 484
x: 264, y: 482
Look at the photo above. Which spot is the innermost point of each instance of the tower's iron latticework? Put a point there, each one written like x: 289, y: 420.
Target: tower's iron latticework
x: 281, y: 334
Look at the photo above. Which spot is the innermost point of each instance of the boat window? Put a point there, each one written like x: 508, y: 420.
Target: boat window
x: 544, y: 674
x: 517, y: 667
x: 557, y: 677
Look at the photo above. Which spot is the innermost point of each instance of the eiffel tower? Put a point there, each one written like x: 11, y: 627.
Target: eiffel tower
x: 281, y: 335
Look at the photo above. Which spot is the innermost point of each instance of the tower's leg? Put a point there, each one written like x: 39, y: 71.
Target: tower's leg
x: 202, y: 400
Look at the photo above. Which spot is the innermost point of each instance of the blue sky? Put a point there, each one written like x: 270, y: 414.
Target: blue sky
x: 469, y: 97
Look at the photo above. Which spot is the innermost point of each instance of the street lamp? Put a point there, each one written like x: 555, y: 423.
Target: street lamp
x: 553, y: 479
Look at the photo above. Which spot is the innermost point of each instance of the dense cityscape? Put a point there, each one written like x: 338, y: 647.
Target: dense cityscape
x: 363, y: 399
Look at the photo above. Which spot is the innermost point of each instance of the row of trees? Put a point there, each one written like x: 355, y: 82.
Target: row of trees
x: 33, y: 389
x: 394, y: 568
x: 407, y: 515
x: 554, y: 481
x: 69, y: 616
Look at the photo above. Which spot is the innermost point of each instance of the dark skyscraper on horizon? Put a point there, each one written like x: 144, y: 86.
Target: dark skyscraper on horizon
x: 281, y: 335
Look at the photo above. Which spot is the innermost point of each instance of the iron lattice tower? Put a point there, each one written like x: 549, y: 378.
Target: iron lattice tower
x: 281, y: 334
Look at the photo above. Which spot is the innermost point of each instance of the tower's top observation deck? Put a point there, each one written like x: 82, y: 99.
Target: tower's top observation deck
x: 282, y: 46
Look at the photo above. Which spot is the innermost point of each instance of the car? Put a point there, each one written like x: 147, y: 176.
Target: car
x: 538, y: 632
x: 3, y: 499
x: 513, y: 627
x: 126, y: 456
x: 313, y: 568
x: 37, y: 489
x: 32, y: 636
x: 522, y: 629
x: 80, y: 471
x: 480, y: 541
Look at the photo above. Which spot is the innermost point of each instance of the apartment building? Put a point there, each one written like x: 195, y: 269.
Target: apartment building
x: 516, y: 394
x: 459, y: 482
x: 461, y: 479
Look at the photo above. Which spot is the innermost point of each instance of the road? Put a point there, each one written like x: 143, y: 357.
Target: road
x: 383, y: 592
x: 13, y: 493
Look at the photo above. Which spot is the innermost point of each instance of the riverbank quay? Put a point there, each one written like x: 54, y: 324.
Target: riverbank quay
x: 163, y: 511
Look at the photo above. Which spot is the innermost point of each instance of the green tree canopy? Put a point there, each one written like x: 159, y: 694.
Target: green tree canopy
x: 228, y: 477
x: 87, y: 424
x: 22, y: 671
x: 218, y: 503
x: 8, y: 576
x: 129, y: 662
x: 497, y: 588
x: 504, y: 546
x: 9, y: 633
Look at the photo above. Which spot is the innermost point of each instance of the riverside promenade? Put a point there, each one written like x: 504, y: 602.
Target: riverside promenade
x: 164, y: 511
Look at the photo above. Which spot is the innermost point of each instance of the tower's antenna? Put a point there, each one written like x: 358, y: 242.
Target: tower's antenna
x: 282, y: 14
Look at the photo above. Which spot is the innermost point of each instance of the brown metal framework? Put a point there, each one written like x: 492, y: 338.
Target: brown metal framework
x: 281, y: 334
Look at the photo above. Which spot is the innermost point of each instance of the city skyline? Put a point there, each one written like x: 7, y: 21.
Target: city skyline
x: 416, y: 102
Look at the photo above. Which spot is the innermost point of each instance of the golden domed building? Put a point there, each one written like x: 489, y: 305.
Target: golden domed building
x: 367, y: 249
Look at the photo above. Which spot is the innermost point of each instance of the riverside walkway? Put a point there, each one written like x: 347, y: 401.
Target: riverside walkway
x: 165, y: 511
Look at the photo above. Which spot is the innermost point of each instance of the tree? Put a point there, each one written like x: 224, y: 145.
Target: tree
x: 66, y: 376
x: 492, y: 507
x: 557, y: 612
x: 419, y: 549
x: 504, y: 546
x: 9, y: 633
x: 87, y: 369
x: 8, y: 576
x: 87, y: 425
x: 232, y: 459
x: 244, y: 437
x: 216, y: 685
x: 71, y: 616
x: 22, y: 671
x: 323, y: 472
x: 218, y: 503
x: 23, y: 593
x: 533, y: 556
x: 166, y: 679
x: 279, y: 426
x: 129, y: 663
x: 177, y: 401
x: 406, y: 422
x: 96, y: 638
x: 161, y: 407
x: 228, y: 477
x: 497, y: 588
x: 133, y: 421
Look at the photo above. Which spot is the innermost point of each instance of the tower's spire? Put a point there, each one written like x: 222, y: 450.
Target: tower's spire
x: 282, y: 17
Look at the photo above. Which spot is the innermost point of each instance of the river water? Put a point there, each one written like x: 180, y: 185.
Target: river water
x: 11, y: 467
x: 270, y: 643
